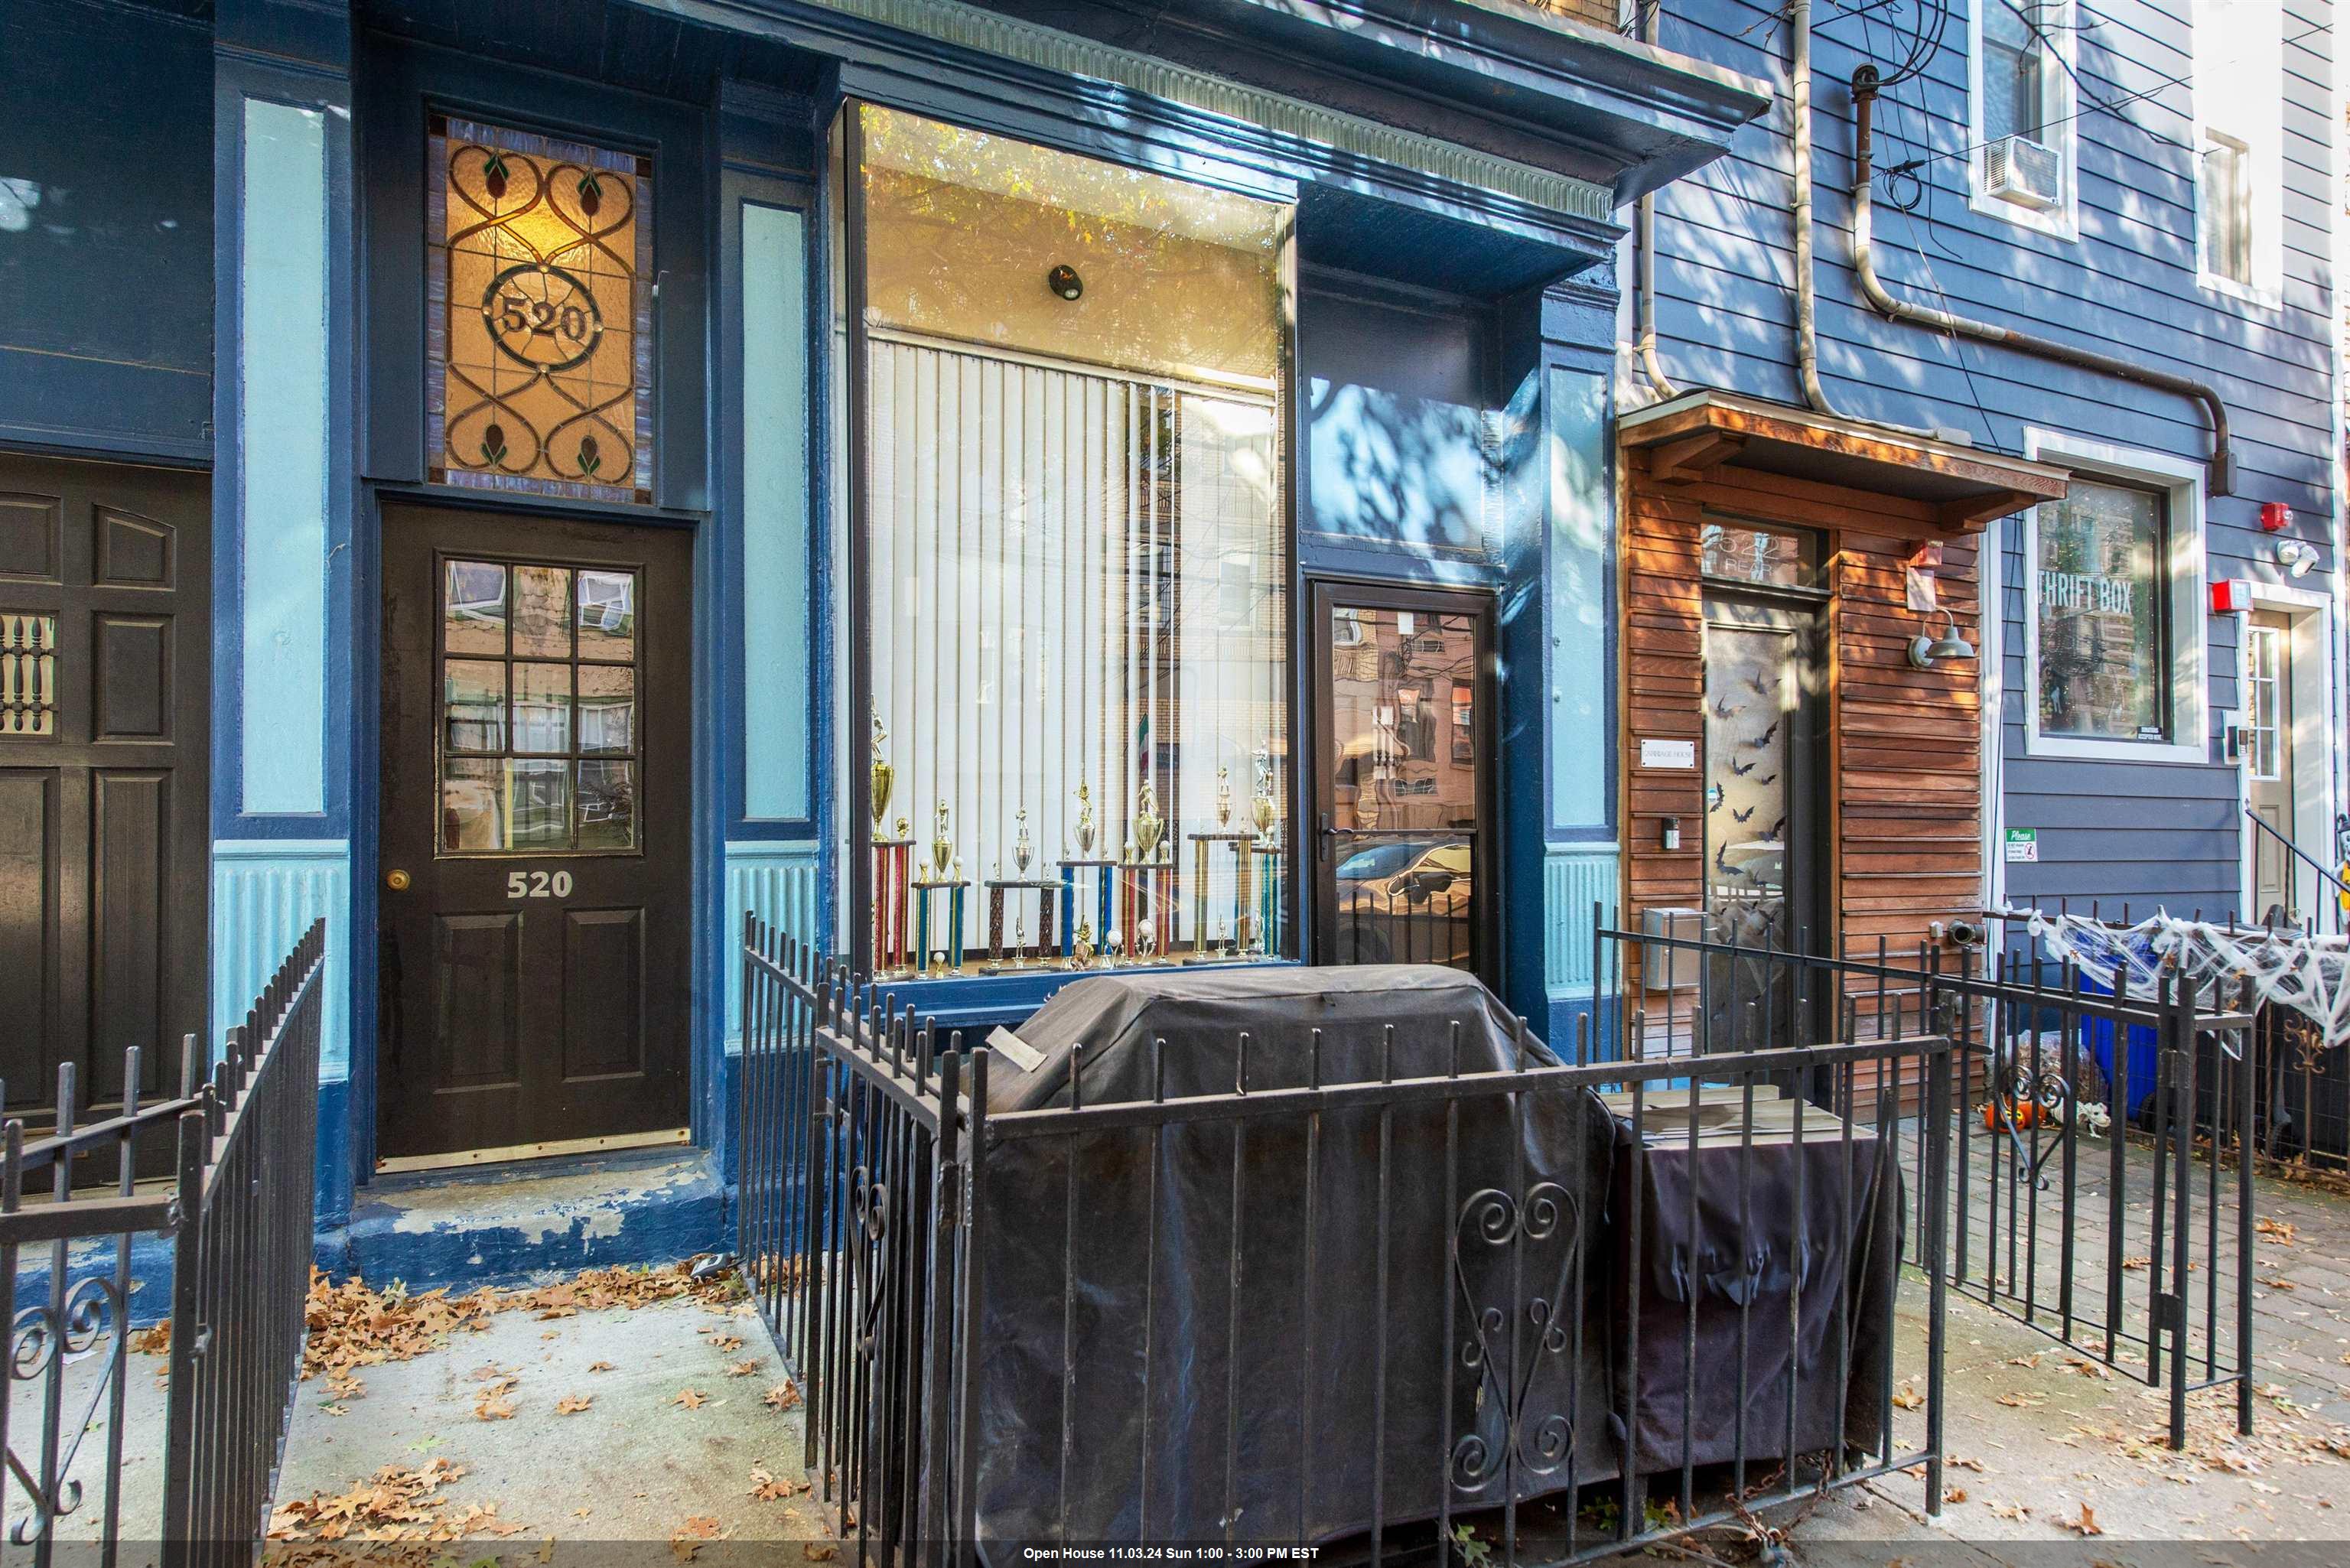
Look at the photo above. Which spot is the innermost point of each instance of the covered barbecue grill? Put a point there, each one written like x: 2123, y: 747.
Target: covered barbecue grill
x: 1154, y: 1368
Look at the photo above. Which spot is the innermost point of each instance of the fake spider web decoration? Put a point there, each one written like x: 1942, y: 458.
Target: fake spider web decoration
x: 2309, y: 974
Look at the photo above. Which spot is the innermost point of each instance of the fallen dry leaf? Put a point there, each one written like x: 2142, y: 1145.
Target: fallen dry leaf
x: 1954, y: 1494
x: 2087, y: 1525
x: 783, y: 1395
x: 742, y: 1368
x: 726, y: 1344
x: 155, y: 1341
x: 2026, y: 1400
x: 691, y: 1398
x: 572, y: 1404
x: 1909, y: 1398
x: 819, y: 1551
x: 600, y: 1367
x: 766, y: 1488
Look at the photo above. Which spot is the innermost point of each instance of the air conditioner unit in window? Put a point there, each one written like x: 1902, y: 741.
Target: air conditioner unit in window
x: 2027, y: 173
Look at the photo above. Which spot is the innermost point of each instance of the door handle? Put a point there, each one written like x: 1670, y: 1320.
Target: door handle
x: 397, y: 880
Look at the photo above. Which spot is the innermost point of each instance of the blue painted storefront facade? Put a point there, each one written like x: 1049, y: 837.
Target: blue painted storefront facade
x: 225, y: 271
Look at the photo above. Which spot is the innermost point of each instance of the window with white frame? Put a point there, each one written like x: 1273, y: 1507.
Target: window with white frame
x: 2264, y: 694
x: 2113, y: 576
x: 2105, y: 642
x: 2225, y: 215
x: 2022, y: 108
x: 2238, y: 76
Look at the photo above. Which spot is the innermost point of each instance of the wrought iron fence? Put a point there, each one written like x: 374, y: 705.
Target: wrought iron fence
x: 1508, y: 1304
x: 235, y: 1223
x: 2098, y: 1193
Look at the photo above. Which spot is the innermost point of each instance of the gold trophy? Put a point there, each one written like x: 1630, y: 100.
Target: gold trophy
x: 1261, y: 809
x: 942, y: 848
x: 1022, y: 851
x: 1085, y: 821
x: 883, y: 775
x: 1147, y: 824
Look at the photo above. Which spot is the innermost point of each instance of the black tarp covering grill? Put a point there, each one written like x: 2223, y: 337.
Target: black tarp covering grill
x: 1735, y: 1271
x: 1321, y: 1363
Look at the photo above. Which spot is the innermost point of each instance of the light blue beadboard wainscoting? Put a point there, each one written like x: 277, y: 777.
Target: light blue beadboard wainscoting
x: 776, y: 882
x: 266, y: 893
x: 1576, y: 877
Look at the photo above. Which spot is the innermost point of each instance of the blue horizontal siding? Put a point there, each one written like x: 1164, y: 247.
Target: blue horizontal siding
x: 2126, y: 287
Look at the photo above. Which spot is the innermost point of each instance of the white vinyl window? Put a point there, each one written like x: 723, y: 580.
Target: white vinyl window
x: 2239, y: 80
x: 2113, y: 595
x: 2264, y: 650
x: 2022, y: 109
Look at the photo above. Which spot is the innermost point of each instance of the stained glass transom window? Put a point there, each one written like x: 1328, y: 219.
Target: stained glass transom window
x: 539, y: 314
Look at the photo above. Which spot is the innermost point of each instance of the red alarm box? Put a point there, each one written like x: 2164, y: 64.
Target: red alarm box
x: 2231, y: 595
x: 2275, y: 517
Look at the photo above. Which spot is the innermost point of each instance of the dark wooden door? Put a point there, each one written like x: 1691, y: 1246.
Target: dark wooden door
x: 1404, y: 865
x: 105, y: 671
x: 536, y: 815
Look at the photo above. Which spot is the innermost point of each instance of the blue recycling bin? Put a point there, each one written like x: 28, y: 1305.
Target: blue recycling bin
x: 2144, y: 1059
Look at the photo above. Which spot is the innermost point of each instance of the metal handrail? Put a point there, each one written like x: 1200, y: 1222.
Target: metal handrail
x: 2296, y: 851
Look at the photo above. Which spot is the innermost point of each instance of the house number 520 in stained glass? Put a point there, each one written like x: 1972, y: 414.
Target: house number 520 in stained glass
x: 543, y: 316
x: 538, y: 885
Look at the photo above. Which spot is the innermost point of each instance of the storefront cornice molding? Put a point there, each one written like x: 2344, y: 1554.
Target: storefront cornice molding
x: 1458, y: 171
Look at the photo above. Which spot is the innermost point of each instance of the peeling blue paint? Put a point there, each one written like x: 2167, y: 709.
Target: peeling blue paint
x: 496, y: 1226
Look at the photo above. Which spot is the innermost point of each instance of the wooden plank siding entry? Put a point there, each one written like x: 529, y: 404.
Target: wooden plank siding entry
x: 1903, y: 828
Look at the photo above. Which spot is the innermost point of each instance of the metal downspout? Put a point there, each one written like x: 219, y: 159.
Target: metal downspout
x: 1644, y: 245
x: 1807, y: 342
x: 1807, y: 332
x: 1864, y: 98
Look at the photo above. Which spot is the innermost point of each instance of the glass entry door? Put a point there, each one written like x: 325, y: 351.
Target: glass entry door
x: 1402, y: 784
x: 1765, y: 817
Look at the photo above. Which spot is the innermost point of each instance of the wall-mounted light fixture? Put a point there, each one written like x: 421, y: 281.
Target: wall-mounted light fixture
x: 2296, y: 555
x: 1064, y: 281
x: 1925, y: 652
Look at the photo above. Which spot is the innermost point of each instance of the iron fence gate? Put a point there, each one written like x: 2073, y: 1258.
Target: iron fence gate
x: 2100, y: 1191
x: 1534, y: 1342
x: 235, y: 1224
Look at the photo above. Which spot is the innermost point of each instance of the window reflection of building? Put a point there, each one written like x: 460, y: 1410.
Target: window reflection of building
x: 2103, y: 636
x: 538, y: 731
x: 1409, y: 680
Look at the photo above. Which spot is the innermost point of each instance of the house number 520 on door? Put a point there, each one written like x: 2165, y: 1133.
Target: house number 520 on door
x: 538, y: 885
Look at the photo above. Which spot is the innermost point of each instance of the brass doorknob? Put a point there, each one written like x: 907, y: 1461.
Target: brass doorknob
x: 396, y: 880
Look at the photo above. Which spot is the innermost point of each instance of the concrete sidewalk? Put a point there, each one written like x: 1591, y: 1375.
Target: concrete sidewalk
x: 539, y: 1432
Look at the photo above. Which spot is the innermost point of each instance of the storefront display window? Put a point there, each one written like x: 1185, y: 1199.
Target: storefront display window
x: 1075, y: 585
x: 2105, y: 636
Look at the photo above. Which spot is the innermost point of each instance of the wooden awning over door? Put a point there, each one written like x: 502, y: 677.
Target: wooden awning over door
x: 1949, y: 488
x: 1903, y: 820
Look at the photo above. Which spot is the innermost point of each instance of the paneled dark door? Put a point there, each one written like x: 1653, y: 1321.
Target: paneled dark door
x: 105, y: 666
x: 535, y: 823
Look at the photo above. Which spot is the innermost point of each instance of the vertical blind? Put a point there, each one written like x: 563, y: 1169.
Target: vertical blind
x: 1076, y: 578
